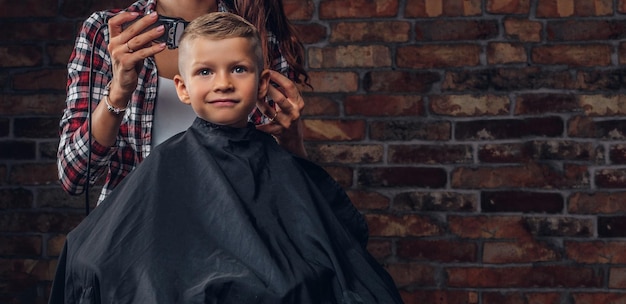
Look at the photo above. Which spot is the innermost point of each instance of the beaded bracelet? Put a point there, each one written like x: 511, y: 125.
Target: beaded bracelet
x: 111, y: 108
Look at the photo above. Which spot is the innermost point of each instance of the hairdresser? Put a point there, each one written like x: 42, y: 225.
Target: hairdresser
x: 121, y: 71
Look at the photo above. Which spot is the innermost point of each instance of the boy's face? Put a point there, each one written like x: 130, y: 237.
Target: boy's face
x: 221, y: 80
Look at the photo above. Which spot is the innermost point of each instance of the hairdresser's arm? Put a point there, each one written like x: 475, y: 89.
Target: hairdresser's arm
x: 287, y: 126
x: 125, y: 64
x: 74, y: 146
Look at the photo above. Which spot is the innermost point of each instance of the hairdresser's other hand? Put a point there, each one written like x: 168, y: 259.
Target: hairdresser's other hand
x: 128, y: 48
x: 286, y: 125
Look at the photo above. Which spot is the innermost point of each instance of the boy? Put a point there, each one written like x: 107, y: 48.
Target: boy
x: 221, y: 213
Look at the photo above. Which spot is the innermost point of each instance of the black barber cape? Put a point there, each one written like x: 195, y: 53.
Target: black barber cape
x: 222, y: 215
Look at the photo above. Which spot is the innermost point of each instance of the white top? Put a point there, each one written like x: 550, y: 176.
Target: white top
x: 171, y: 116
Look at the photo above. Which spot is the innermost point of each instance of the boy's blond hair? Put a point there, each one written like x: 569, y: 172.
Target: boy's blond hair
x: 222, y: 25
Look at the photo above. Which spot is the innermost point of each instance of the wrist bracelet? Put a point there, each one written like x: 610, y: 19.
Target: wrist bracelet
x: 111, y: 108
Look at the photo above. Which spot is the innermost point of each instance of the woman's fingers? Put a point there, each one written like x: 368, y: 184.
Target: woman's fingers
x: 287, y: 95
x: 116, y: 22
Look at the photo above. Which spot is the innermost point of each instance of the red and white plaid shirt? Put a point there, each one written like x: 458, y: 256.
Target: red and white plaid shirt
x: 133, y: 142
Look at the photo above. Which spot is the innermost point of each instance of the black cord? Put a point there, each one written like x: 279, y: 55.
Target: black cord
x: 89, y: 120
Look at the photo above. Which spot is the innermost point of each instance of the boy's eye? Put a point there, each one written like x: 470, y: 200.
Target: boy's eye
x: 239, y: 69
x: 204, y: 72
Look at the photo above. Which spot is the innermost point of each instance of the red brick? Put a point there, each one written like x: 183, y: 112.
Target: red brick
x: 408, y: 130
x: 430, y: 154
x: 446, y: 251
x: 346, y: 154
x: 38, y: 31
x: 39, y: 221
x: 335, y: 130
x: 506, y: 53
x: 439, y: 296
x: 441, y: 8
x: 555, y: 226
x: 509, y: 79
x: 573, y: 55
x: 20, y: 245
x: 411, y: 274
x: 487, y: 227
x: 329, y: 9
x: 567, y: 150
x: 603, y: 105
x: 509, y: 128
x: 310, y: 33
x: 319, y: 105
x: 435, y: 201
x: 524, y: 277
x: 399, y: 81
x: 611, y: 178
x: 598, y: 297
x: 454, y: 30
x: 585, y: 30
x: 368, y: 200
x: 380, y: 249
x: 505, y: 153
x: 384, y: 105
x: 530, y: 175
x: 523, y: 29
x: 470, y: 105
x: 299, y: 9
x: 508, y: 6
x: 612, y: 226
x: 617, y: 277
x: 546, y: 103
x: 20, y: 56
x: 17, y: 150
x: 15, y: 198
x: 597, y: 202
x: 349, y: 56
x: 27, y: 8
x: 438, y: 56
x: 343, y: 175
x: 334, y: 81
x: 33, y: 174
x: 48, y: 79
x: 523, y: 251
x: 402, y: 225
x: 617, y: 154
x: 586, y: 127
x: 599, y: 80
x: 55, y: 245
x: 522, y: 297
x: 430, y: 177
x: 384, y: 31
x: 38, y: 104
x: 521, y: 201
x: 596, y: 252
x: 567, y: 8
x: 36, y: 127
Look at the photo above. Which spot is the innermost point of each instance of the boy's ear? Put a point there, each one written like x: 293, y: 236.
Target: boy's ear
x: 181, y: 89
x: 264, y: 83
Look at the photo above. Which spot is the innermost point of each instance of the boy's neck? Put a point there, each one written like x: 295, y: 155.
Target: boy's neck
x: 186, y: 9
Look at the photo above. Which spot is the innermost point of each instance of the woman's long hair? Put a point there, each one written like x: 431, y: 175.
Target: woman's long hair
x: 269, y: 15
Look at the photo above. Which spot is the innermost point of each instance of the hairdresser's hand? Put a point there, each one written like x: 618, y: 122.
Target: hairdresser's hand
x: 286, y: 125
x: 128, y: 48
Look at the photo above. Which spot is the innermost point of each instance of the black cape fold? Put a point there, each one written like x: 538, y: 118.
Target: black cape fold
x: 222, y: 215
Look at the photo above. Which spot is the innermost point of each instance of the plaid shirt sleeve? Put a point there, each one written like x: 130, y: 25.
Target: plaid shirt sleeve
x: 74, y: 137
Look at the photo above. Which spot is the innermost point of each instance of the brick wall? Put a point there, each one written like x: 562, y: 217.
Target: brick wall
x: 482, y: 139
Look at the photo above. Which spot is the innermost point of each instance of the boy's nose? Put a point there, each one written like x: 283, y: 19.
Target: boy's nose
x: 223, y: 82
